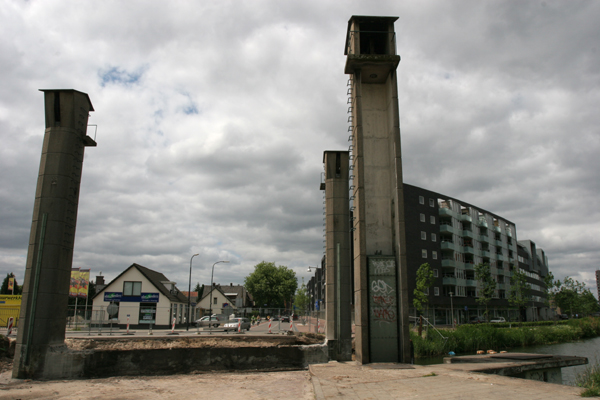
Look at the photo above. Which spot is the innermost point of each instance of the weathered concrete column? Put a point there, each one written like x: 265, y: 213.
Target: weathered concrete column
x: 338, y: 289
x: 42, y: 323
x: 380, y: 276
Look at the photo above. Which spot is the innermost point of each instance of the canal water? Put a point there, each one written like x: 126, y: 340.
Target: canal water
x: 589, y: 348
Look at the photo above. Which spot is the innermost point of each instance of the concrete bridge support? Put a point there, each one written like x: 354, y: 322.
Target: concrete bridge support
x: 380, y: 270
x: 338, y: 270
x: 50, y: 255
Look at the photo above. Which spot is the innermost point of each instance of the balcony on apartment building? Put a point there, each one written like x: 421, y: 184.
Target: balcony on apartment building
x: 445, y: 208
x: 446, y: 227
x: 508, y: 231
x: 447, y: 245
x: 496, y: 227
x: 471, y: 282
x: 448, y: 280
x: 482, y: 222
x: 451, y: 262
x: 484, y: 238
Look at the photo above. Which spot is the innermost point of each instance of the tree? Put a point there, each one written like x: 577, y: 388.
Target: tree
x: 519, y: 293
x: 483, y: 274
x: 200, y: 289
x: 548, y: 289
x: 589, y: 304
x: 270, y: 285
x: 423, y: 283
x: 420, y: 294
x: 573, y: 297
x: 302, y: 300
x: 4, y: 288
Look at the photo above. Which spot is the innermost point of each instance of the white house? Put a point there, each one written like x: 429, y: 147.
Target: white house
x: 216, y: 300
x: 140, y: 296
x: 225, y: 299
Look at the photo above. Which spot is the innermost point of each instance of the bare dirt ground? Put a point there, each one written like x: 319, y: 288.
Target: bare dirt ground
x: 189, y: 342
x: 228, y: 385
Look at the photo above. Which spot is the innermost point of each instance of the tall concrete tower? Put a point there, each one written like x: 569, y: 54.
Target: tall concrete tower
x: 338, y: 271
x: 598, y: 282
x: 40, y: 350
x: 380, y: 287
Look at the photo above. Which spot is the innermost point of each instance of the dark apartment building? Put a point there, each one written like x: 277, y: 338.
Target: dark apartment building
x: 453, y: 236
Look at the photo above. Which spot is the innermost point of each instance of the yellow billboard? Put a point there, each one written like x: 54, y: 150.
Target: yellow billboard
x: 84, y: 282
x: 74, y: 286
x: 10, y: 306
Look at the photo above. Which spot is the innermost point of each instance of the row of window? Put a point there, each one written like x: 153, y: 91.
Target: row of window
x: 533, y: 275
x: 132, y: 288
x: 436, y: 291
x: 422, y: 201
x: 431, y: 218
x: 434, y: 254
x: 424, y: 236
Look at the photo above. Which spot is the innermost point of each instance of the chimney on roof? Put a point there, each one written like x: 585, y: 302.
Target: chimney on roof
x: 100, y: 283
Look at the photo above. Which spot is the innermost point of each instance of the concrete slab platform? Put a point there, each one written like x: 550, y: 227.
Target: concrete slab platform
x: 351, y: 380
x: 333, y: 380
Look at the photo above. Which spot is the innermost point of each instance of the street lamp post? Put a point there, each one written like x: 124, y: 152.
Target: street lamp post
x: 451, y: 310
x: 187, y: 326
x: 210, y: 295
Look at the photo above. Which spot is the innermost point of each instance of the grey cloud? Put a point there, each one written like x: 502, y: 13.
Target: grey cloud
x: 213, y: 117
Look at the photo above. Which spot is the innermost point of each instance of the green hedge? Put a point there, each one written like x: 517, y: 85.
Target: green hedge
x: 470, y: 338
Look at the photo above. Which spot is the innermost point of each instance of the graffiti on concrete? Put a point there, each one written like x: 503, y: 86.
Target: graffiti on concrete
x: 383, y: 302
x: 382, y: 267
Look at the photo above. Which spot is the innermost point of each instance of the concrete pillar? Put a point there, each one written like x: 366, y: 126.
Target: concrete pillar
x: 338, y: 272
x: 380, y: 276
x: 42, y: 323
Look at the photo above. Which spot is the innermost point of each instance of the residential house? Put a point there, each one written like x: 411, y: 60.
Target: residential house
x: 140, y: 297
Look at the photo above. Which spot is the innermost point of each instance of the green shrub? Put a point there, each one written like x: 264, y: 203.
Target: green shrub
x: 590, y: 380
x: 470, y: 338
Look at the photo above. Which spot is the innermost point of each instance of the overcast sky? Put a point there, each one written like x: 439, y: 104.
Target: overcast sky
x: 213, y: 117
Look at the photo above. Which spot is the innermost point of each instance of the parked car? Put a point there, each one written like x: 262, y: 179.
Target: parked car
x: 563, y: 316
x: 233, y: 323
x: 284, y: 318
x: 498, y: 320
x: 214, y: 321
x: 477, y: 320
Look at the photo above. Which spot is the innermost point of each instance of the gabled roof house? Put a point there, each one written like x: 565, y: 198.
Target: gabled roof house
x: 140, y: 297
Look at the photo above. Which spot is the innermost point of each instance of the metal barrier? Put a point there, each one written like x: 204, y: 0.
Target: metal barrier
x: 6, y: 313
